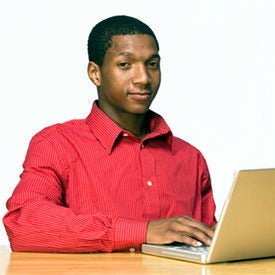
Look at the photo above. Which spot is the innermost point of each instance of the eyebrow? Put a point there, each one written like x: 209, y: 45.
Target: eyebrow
x: 130, y: 54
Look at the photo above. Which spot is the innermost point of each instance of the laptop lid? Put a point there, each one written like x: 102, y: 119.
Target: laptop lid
x: 246, y: 228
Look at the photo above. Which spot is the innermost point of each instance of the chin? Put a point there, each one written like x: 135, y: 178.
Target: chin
x: 139, y: 110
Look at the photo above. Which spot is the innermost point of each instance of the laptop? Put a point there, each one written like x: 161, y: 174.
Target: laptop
x: 246, y: 228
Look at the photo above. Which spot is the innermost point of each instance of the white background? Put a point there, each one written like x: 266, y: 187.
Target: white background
x: 218, y: 77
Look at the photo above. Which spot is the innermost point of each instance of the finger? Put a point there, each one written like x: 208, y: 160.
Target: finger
x: 184, y: 238
x: 198, y: 235
x: 199, y: 225
x: 190, y: 241
x: 194, y: 229
x: 187, y: 232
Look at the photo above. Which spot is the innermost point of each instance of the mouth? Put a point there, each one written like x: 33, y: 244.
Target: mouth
x: 140, y: 96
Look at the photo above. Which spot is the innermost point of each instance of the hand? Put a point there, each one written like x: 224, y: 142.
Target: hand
x: 179, y: 229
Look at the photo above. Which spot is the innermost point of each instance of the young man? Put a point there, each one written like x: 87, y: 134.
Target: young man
x: 118, y: 178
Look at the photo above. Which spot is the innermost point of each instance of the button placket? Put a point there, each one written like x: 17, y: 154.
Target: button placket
x: 151, y: 195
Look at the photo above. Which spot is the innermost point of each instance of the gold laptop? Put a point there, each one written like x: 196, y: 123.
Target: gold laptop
x: 246, y: 229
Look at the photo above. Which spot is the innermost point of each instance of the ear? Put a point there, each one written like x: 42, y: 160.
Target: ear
x: 94, y: 73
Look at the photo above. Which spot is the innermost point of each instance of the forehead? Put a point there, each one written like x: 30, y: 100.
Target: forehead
x: 134, y: 43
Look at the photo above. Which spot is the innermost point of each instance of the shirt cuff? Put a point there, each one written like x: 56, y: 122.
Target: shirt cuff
x: 129, y: 234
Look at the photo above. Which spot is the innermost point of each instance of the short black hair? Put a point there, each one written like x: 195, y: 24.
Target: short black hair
x: 100, y: 38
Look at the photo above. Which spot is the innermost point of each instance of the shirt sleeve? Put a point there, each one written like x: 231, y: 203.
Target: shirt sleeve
x: 39, y: 220
x: 208, y: 206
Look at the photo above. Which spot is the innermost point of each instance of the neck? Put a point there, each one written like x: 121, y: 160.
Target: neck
x: 134, y: 124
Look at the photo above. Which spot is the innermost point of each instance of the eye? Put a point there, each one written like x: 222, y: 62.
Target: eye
x: 154, y: 64
x: 124, y: 64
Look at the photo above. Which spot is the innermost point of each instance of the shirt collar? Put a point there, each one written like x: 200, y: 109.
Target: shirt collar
x: 107, y: 131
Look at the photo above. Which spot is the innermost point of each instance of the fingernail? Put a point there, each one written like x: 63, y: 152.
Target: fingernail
x: 199, y: 244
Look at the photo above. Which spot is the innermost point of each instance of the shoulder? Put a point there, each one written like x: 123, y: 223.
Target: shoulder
x: 180, y: 144
x: 188, y: 151
x: 61, y: 130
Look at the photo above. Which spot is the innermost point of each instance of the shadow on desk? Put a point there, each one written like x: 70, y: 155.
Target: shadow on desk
x: 121, y: 263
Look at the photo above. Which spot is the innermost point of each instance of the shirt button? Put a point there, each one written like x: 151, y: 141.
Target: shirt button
x: 125, y: 134
x: 149, y: 183
x: 142, y: 145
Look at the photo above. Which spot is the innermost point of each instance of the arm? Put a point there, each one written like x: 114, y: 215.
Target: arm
x: 40, y: 220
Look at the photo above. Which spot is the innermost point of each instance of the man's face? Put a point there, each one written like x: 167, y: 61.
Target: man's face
x: 130, y: 76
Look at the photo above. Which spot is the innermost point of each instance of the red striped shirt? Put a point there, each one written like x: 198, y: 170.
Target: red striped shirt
x: 90, y: 186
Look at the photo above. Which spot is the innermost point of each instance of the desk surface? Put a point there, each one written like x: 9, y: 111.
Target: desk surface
x: 120, y: 263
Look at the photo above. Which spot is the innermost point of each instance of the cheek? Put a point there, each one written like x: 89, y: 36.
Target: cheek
x: 108, y: 81
x: 114, y: 81
x: 158, y: 77
x: 118, y: 82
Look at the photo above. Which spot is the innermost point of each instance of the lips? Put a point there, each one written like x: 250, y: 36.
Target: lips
x: 140, y: 96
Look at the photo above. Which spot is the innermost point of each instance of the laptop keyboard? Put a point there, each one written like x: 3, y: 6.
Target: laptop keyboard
x: 184, y: 247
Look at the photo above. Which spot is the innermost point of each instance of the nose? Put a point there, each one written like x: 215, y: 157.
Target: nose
x: 141, y: 75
